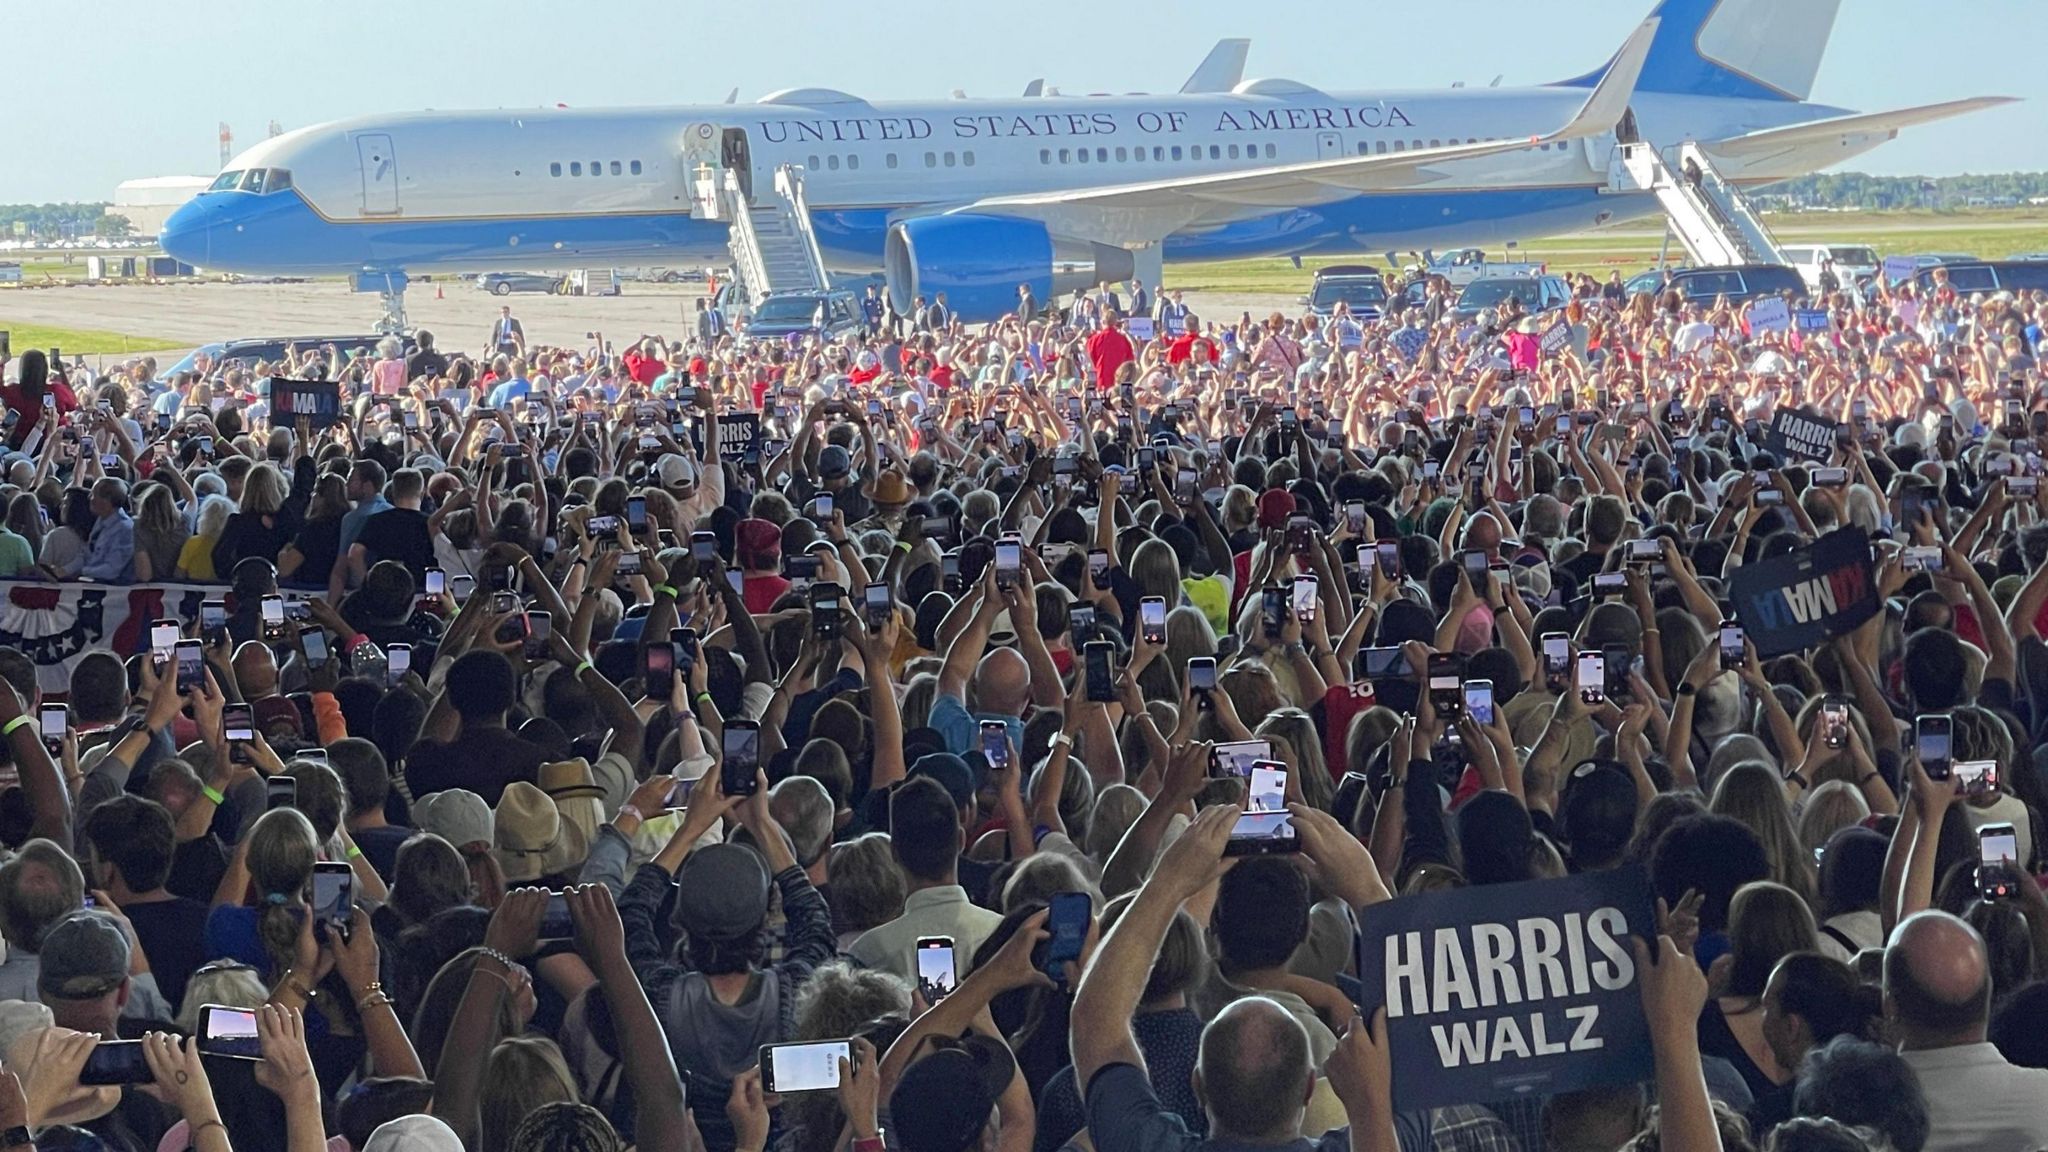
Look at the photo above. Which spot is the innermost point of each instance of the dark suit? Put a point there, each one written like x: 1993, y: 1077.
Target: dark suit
x: 507, y: 336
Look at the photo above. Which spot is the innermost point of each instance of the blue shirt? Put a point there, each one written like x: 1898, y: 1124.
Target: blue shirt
x: 962, y: 730
x: 110, y: 550
x: 352, y: 523
x: 510, y: 390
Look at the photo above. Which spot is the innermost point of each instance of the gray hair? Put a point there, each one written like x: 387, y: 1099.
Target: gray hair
x: 804, y: 809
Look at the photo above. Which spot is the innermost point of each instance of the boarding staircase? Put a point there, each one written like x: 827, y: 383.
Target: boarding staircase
x: 1711, y: 217
x: 773, y: 245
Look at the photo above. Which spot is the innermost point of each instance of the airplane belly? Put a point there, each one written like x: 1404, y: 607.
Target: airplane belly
x: 1383, y: 222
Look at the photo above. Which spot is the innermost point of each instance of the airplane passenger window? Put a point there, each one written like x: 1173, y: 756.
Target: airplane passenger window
x: 1361, y: 147
x: 1159, y: 153
x: 635, y: 167
x: 1066, y: 157
x: 890, y: 160
x: 931, y: 160
x: 813, y: 165
x: 575, y: 167
x: 832, y: 162
x: 1102, y: 155
x: 852, y: 162
x: 1233, y: 151
x: 555, y: 169
x: 1215, y: 152
x: 1436, y: 143
x: 1400, y: 145
x: 1270, y: 151
x: 1176, y: 151
x: 1416, y: 144
x: 1081, y: 154
x: 616, y: 168
x: 1120, y: 155
x: 597, y: 167
x: 949, y: 159
x: 967, y: 158
x: 1045, y: 155
x: 1379, y: 147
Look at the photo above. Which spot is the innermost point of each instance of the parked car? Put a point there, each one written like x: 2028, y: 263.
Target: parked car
x: 1738, y: 282
x: 1538, y: 294
x: 1854, y: 263
x: 506, y: 283
x: 247, y: 352
x: 829, y: 314
x: 1358, y: 285
x: 1978, y: 277
x: 1463, y: 266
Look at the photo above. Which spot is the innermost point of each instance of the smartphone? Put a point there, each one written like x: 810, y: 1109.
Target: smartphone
x: 191, y: 658
x: 995, y: 744
x: 1184, y: 487
x: 878, y: 603
x: 1768, y: 497
x: 1098, y: 658
x: 213, y: 620
x: 1932, y: 745
x: 1305, y: 589
x: 228, y: 1032
x: 1262, y: 833
x: 1354, y: 517
x: 437, y: 582
x: 280, y: 792
x: 1557, y: 654
x: 540, y: 626
x: 1390, y: 559
x: 238, y: 728
x: 397, y: 662
x: 1479, y: 700
x: 555, y: 922
x: 1446, y: 678
x: 1009, y: 563
x: 116, y: 1062
x: 1273, y: 611
x: 703, y: 547
x: 1236, y: 758
x: 1152, y: 619
x: 1067, y: 917
x: 1098, y: 568
x: 273, y: 616
x: 1474, y: 562
x: 1202, y: 674
x: 821, y: 508
x: 1645, y: 550
x: 1266, y: 788
x: 1607, y: 585
x: 937, y: 972
x: 811, y: 1067
x: 1081, y: 622
x: 739, y: 772
x: 636, y: 515
x: 683, y: 642
x: 1834, y: 723
x: 315, y: 640
x: 1921, y: 558
x: 1998, y: 868
x: 163, y: 641
x: 658, y: 671
x: 825, y: 609
x: 1382, y: 663
x: 334, y: 894
x: 1831, y: 477
x: 1592, y: 677
x: 463, y: 584
x: 1976, y: 777
x: 1733, y: 651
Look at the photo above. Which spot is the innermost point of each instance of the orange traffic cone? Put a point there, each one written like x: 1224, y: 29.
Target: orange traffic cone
x: 437, y: 292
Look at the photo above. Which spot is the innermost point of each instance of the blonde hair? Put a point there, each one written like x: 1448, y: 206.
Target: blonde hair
x: 521, y: 1074
x: 264, y: 490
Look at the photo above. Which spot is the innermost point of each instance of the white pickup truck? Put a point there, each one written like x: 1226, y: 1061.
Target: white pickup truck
x: 1461, y: 266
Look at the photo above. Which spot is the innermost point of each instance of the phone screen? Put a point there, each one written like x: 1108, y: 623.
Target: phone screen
x: 229, y: 1032
x: 1557, y: 653
x: 116, y: 1062
x: 636, y: 513
x: 539, y: 625
x: 1977, y: 777
x: 56, y: 720
x: 1152, y: 619
x: 1479, y: 700
x: 1732, y: 651
x: 936, y: 972
x: 1305, y: 598
x: 163, y: 639
x: 995, y: 743
x: 398, y: 661
x: 1998, y: 846
x: 334, y: 893
x: 803, y: 1067
x: 879, y: 602
x: 437, y: 581
x: 1067, y: 919
x: 1202, y: 674
x: 1267, y: 791
x: 280, y: 792
x: 238, y: 723
x: 1931, y: 745
x: 660, y: 671
x: 1098, y: 568
x: 1009, y: 563
x: 1256, y: 833
x: 191, y: 665
x: 316, y: 646
x: 1592, y: 677
x: 1237, y: 757
x: 738, y: 775
x: 1101, y: 676
x: 1390, y: 560
x: 556, y: 923
x: 273, y: 609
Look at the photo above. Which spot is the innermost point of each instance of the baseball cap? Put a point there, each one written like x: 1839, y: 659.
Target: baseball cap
x: 415, y: 1133
x: 1275, y: 506
x: 83, y: 957
x: 457, y: 815
x: 675, y: 471
x: 950, y: 770
x: 834, y: 461
x: 942, y: 1102
x: 722, y: 892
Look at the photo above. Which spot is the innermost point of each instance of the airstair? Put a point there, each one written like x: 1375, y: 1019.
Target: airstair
x: 1712, y: 218
x: 773, y: 246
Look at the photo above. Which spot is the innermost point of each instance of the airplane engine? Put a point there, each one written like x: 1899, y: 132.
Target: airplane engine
x: 978, y: 262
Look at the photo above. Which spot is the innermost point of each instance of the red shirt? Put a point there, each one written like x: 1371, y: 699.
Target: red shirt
x: 760, y: 592
x: 643, y: 369
x: 861, y: 377
x: 1109, y: 350
x: 1183, y: 349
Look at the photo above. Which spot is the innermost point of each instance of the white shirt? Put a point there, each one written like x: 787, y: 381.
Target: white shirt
x: 1691, y: 336
x: 941, y: 911
x: 1976, y: 1102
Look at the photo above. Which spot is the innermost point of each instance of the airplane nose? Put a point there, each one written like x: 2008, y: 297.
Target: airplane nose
x: 186, y: 235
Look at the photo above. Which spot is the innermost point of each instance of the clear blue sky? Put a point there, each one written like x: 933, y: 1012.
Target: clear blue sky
x: 160, y: 85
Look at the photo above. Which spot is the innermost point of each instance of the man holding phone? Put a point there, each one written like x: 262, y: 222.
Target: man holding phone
x: 1006, y: 680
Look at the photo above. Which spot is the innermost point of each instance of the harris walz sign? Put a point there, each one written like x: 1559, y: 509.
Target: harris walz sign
x: 1798, y: 599
x: 1797, y: 435
x: 1505, y: 990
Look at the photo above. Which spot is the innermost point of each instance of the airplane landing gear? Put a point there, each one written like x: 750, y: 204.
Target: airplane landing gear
x: 390, y: 289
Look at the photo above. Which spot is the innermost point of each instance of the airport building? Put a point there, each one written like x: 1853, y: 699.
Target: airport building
x: 148, y: 202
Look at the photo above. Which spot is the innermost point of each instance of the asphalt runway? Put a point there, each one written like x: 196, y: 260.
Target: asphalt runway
x: 461, y: 318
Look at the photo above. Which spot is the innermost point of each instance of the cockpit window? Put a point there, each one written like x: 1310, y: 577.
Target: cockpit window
x: 280, y: 179
x: 254, y: 180
x: 225, y: 181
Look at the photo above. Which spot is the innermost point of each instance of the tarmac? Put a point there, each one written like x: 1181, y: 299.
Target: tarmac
x: 457, y: 312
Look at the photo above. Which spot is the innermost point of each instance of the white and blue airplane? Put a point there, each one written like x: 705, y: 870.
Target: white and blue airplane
x: 975, y: 197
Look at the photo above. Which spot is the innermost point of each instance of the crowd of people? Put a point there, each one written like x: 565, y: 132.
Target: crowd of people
x: 991, y: 739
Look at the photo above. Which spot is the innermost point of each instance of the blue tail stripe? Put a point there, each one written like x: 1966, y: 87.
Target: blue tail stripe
x: 1675, y: 63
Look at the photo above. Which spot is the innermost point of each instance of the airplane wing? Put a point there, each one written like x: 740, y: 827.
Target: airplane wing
x: 1220, y: 70
x: 1862, y: 123
x: 1119, y: 212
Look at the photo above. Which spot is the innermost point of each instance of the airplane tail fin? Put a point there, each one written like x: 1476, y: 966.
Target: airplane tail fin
x: 1745, y: 49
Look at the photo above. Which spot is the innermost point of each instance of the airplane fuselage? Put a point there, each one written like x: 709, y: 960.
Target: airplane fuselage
x: 569, y: 188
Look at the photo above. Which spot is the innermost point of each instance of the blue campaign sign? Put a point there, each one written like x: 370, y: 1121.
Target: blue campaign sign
x: 1508, y: 990
x: 1798, y: 599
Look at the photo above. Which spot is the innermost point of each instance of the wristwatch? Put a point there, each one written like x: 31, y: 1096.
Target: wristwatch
x: 17, y: 1137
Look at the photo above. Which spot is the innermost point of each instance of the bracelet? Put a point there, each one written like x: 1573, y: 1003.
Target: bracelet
x: 292, y: 982
x: 668, y: 588
x: 585, y: 666
x: 191, y: 1130
x: 578, y: 560
x: 354, y: 853
x: 702, y: 698
x: 870, y: 1143
x: 905, y: 545
x: 500, y: 957
x: 1866, y: 778
x: 17, y: 722
x: 208, y: 791
x: 632, y: 810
